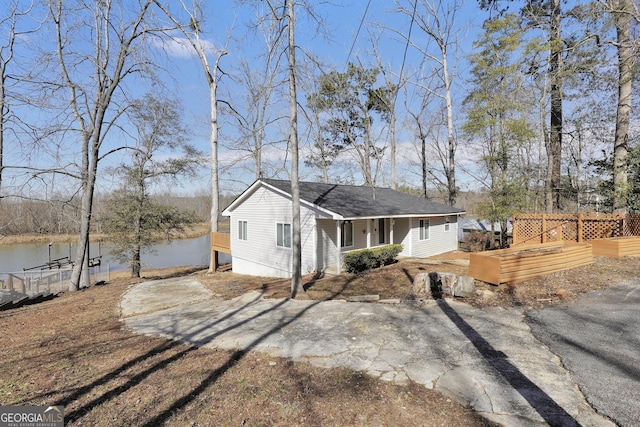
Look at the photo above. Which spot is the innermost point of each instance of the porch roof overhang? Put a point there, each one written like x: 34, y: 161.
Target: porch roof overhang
x: 417, y: 215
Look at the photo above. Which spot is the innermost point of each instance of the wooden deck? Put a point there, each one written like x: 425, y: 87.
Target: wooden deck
x: 617, y: 247
x: 527, y: 262
x: 221, y: 242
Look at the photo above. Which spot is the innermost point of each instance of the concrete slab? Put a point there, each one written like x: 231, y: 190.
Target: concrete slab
x: 487, y: 359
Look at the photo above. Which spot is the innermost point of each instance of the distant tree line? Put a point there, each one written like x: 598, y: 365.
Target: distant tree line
x: 61, y: 217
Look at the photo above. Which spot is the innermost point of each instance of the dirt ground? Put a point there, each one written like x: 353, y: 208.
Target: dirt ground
x: 73, y: 351
x: 394, y: 281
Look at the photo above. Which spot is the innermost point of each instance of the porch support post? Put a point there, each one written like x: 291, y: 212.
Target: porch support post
x: 368, y: 233
x: 338, y: 246
x: 391, y: 223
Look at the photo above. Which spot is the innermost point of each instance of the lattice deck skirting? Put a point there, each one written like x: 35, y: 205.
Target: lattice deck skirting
x: 543, y: 228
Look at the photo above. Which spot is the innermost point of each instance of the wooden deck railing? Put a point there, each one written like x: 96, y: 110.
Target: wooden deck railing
x: 221, y: 242
x: 523, y: 263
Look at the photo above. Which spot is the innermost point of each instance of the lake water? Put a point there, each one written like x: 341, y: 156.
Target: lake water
x: 14, y: 258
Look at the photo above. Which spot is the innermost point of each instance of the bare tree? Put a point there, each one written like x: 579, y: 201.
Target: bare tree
x: 296, y: 279
x: 92, y: 73
x: 192, y: 31
x: 436, y: 19
x: 423, y: 128
x: 393, y: 88
x: 257, y: 109
x: 257, y: 116
x: 8, y: 79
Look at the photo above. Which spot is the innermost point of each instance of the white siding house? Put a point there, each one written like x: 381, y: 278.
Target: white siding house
x: 334, y: 219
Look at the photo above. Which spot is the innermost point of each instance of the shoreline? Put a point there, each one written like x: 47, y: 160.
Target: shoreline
x: 25, y: 239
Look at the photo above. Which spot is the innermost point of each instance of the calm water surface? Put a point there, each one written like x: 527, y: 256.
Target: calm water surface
x: 15, y: 258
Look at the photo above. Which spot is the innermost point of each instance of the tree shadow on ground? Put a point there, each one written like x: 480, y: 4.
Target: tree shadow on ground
x: 166, y: 348
x: 543, y: 404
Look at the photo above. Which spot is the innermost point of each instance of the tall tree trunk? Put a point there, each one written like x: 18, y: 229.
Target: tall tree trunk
x: 366, y: 157
x: 137, y: 247
x: 451, y: 143
x: 296, y: 253
x: 2, y: 119
x: 111, y: 67
x: 423, y: 161
x: 392, y: 137
x: 211, y: 75
x: 80, y: 274
x: 215, y: 184
x: 6, y: 56
x: 622, y: 17
x: 555, y: 71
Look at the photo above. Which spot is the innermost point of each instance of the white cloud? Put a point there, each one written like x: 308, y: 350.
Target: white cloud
x: 180, y: 47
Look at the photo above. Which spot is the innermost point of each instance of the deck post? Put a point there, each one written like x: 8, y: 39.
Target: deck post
x: 215, y: 260
x: 579, y: 228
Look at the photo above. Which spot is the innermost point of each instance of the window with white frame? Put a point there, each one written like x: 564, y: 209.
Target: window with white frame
x: 424, y: 229
x: 242, y: 230
x: 447, y: 223
x: 283, y: 235
x: 346, y: 238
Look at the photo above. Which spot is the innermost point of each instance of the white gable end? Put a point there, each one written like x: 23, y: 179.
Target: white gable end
x: 260, y: 254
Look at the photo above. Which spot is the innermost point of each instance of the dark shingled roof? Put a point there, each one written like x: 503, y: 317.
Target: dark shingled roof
x: 352, y: 201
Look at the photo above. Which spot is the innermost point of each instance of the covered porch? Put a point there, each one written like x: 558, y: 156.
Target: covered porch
x: 337, y: 237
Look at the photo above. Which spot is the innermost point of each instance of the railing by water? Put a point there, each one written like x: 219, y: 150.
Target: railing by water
x: 28, y: 285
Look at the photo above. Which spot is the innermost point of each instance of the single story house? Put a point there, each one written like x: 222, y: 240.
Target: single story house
x: 334, y: 219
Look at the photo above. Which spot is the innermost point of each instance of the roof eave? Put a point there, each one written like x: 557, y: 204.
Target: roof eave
x: 250, y: 190
x: 413, y: 215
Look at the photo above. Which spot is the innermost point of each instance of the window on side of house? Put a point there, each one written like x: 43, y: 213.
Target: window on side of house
x: 283, y: 235
x: 242, y: 230
x: 346, y: 234
x: 447, y: 223
x: 424, y: 229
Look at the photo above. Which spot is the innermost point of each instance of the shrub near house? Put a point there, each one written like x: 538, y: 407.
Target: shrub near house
x: 366, y: 259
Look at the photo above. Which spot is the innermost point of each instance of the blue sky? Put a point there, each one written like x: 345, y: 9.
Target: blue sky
x: 348, y: 29
x: 345, y: 37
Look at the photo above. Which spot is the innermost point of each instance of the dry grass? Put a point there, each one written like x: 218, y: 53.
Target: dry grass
x: 73, y: 351
x: 394, y: 282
